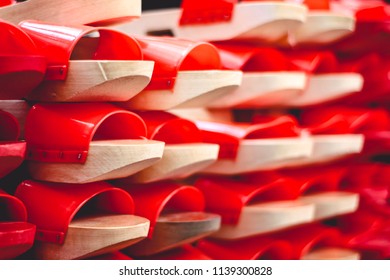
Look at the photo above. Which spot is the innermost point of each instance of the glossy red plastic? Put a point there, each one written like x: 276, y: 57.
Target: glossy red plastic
x: 252, y: 59
x: 185, y: 252
x: 15, y: 209
x: 62, y: 132
x: 172, y: 55
x: 58, y: 43
x: 166, y: 127
x: 229, y: 135
x: 313, y: 62
x: 19, y: 59
x: 313, y: 179
x: 151, y: 200
x: 373, y: 123
x: 313, y: 236
x: 64, y: 201
x: 367, y: 232
x: 233, y: 195
x: 12, y: 149
x: 375, y: 70
x: 369, y: 180
x: 254, y: 248
x: 15, y: 238
x: 9, y: 127
x: 205, y: 12
x: 372, y: 31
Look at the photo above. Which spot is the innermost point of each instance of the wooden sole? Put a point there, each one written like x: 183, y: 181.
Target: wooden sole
x: 263, y: 154
x: 72, y: 12
x: 87, y: 237
x: 267, y: 217
x: 260, y: 89
x: 191, y: 89
x: 106, y: 160
x: 331, y: 204
x: 103, y: 81
x: 326, y: 87
x: 327, y: 148
x: 178, y: 161
x: 332, y: 253
x: 174, y: 230
x: 322, y: 27
x: 251, y: 21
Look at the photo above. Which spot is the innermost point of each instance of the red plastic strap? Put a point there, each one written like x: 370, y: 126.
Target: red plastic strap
x: 253, y: 248
x: 151, y: 199
x: 234, y: 195
x: 14, y: 236
x: 6, y: 2
x: 204, y: 11
x: 306, y: 238
x: 249, y: 59
x: 356, y: 120
x: 185, y: 252
x: 172, y: 55
x: 58, y: 42
x: 166, y: 127
x: 9, y: 127
x: 229, y: 135
x: 15, y: 41
x: 63, y: 201
x: 314, y: 62
x: 373, y: 14
x: 316, y: 179
x: 13, y: 207
x: 63, y: 132
x: 317, y: 4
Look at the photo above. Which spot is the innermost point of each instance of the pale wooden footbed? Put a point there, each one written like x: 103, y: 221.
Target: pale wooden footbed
x: 262, y: 21
x: 332, y: 253
x: 260, y: 89
x: 263, y: 154
x: 204, y: 114
x: 106, y: 160
x: 19, y: 109
x: 93, y: 236
x: 267, y: 217
x: 323, y: 27
x: 331, y: 204
x: 178, y: 161
x: 327, y: 148
x: 97, y: 80
x: 191, y: 89
x: 326, y: 87
x: 174, y: 230
x: 71, y: 11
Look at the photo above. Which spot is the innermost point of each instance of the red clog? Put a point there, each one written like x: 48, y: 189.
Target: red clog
x: 249, y: 209
x: 269, y: 79
x: 95, y: 142
x: 244, y: 147
x: 327, y: 80
x: 88, y: 63
x: 218, y: 20
x: 184, y: 151
x: 176, y: 214
x: 76, y: 220
x: 186, y: 74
